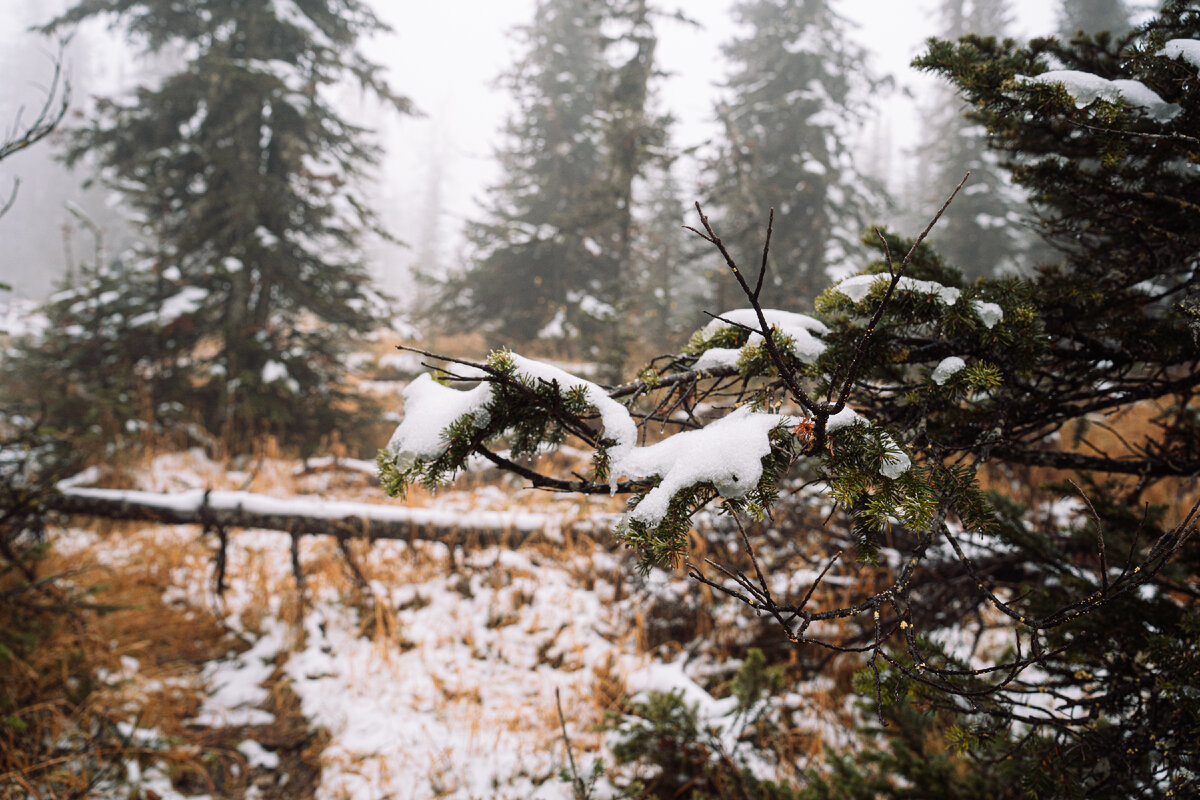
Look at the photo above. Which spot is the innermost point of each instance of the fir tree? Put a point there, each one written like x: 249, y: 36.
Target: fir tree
x: 792, y: 99
x: 552, y: 258
x: 988, y: 227
x: 910, y: 384
x: 114, y: 360
x: 241, y: 176
x: 669, y: 293
x: 1092, y: 17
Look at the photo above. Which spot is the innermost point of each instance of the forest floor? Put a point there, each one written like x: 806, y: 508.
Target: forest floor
x: 442, y: 675
x: 406, y: 670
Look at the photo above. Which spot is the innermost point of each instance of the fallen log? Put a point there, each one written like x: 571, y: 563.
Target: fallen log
x: 310, y: 516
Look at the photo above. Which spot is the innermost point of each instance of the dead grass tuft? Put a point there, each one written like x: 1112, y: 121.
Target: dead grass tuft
x: 134, y: 658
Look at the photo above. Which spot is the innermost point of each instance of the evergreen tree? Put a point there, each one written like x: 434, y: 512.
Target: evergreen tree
x: 911, y: 383
x: 1092, y: 17
x: 793, y: 99
x: 241, y: 176
x: 669, y: 294
x: 115, y: 357
x: 552, y: 258
x: 988, y: 227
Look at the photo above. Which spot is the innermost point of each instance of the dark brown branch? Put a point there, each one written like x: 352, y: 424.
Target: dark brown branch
x: 1148, y: 467
x: 785, y: 371
x: 541, y: 481
x: 860, y: 349
x: 58, y: 97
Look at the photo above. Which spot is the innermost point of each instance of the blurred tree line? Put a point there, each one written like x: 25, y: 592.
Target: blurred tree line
x: 580, y: 247
x: 234, y: 308
x: 234, y: 311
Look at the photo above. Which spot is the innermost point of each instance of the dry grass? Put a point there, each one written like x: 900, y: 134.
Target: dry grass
x: 1116, y: 435
x: 171, y: 640
x: 138, y: 662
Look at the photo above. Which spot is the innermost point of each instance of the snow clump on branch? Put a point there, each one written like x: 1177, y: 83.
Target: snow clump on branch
x: 798, y: 328
x: 1086, y: 88
x: 727, y: 454
x: 858, y: 287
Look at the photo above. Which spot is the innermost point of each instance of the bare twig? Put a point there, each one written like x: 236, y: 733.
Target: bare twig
x: 577, y: 785
x: 860, y: 349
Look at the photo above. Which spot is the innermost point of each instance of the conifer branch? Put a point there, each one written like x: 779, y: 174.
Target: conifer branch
x: 786, y: 374
x: 540, y: 481
x: 860, y: 348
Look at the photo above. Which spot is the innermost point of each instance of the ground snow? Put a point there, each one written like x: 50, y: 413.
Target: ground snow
x: 235, y: 685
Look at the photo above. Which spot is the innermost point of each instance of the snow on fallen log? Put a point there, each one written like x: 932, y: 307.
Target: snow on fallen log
x: 308, y: 516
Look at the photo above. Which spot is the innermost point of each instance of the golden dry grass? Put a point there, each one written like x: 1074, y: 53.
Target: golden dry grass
x: 137, y: 662
x: 1119, y: 434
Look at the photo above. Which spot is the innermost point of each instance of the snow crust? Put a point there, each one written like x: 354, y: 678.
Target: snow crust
x: 946, y: 369
x: 989, y: 313
x: 618, y: 424
x: 859, y: 286
x: 430, y: 408
x: 895, y: 461
x: 715, y: 357
x: 844, y: 418
x: 727, y: 453
x: 1187, y: 49
x: 798, y: 327
x: 1087, y: 88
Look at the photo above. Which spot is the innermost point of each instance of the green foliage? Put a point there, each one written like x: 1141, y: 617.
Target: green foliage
x: 924, y: 754
x: 989, y: 228
x: 664, y: 750
x: 108, y: 364
x: 856, y: 456
x: 1085, y: 608
x: 242, y: 178
x: 525, y: 414
x: 559, y: 254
